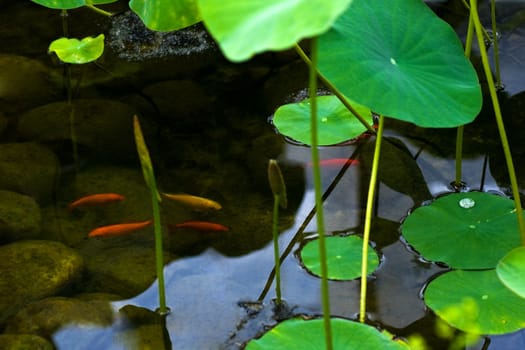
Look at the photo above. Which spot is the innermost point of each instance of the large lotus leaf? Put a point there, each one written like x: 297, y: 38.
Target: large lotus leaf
x: 301, y: 334
x: 335, y: 123
x: 399, y: 59
x: 70, y: 4
x: 78, y: 51
x: 343, y: 257
x: 475, y: 302
x: 244, y: 28
x: 166, y: 15
x: 471, y: 230
x: 511, y: 270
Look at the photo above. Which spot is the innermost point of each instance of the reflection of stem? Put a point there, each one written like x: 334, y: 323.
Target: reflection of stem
x: 99, y: 11
x: 495, y: 42
x: 335, y: 91
x: 368, y: 220
x: 276, y: 248
x: 312, y: 90
x: 499, y: 119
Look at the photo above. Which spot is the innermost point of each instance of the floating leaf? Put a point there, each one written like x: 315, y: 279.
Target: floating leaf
x: 78, y: 51
x: 70, y: 4
x: 244, y: 28
x: 166, y: 15
x: 335, y: 123
x: 471, y: 230
x: 400, y: 60
x: 298, y: 333
x: 475, y: 302
x: 511, y: 270
x: 343, y: 257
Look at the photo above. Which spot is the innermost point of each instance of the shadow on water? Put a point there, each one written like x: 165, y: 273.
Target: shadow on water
x: 206, y: 125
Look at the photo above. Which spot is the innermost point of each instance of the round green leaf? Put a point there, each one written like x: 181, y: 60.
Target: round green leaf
x: 335, y: 123
x: 471, y: 230
x: 475, y: 302
x: 244, y: 28
x: 70, y: 4
x: 301, y: 334
x: 399, y: 59
x: 78, y: 51
x: 166, y: 15
x: 343, y: 257
x: 511, y: 270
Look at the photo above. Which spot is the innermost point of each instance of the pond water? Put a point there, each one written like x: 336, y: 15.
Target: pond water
x: 206, y: 122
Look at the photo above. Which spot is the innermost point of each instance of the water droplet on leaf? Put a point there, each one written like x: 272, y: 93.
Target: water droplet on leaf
x: 467, y: 203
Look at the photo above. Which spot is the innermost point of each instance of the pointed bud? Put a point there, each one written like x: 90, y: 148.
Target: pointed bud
x: 275, y: 177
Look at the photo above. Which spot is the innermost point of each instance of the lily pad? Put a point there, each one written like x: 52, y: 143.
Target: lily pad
x: 511, y: 270
x: 166, y: 15
x: 343, y: 257
x: 298, y: 333
x: 70, y: 4
x: 400, y: 60
x: 475, y: 302
x: 78, y: 51
x: 336, y: 124
x: 471, y: 230
x: 244, y: 28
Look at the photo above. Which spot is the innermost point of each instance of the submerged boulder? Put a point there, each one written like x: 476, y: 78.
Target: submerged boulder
x: 28, y: 168
x: 24, y: 341
x: 19, y: 217
x: 32, y: 270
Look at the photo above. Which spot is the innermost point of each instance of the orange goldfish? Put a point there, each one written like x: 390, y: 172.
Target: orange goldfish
x: 96, y: 199
x: 119, y: 229
x: 200, y: 226
x: 336, y: 162
x: 194, y: 202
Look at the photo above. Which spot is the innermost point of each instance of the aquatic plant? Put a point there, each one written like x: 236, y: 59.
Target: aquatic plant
x: 149, y: 177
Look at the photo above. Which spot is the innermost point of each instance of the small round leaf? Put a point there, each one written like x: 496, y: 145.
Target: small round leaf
x: 343, y: 257
x: 78, y: 51
x: 335, y: 123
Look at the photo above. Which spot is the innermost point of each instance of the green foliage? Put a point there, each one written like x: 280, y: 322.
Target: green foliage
x: 473, y: 236
x: 78, y: 51
x: 343, y: 257
x: 70, y: 4
x: 400, y: 60
x: 245, y: 28
x: 166, y: 15
x: 302, y: 334
x: 475, y: 302
x: 511, y: 270
x: 335, y: 123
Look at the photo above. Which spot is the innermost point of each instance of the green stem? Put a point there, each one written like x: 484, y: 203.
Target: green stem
x: 99, y: 11
x: 335, y: 91
x: 495, y: 42
x: 159, y: 254
x: 368, y: 220
x: 276, y: 254
x: 499, y: 119
x: 312, y: 87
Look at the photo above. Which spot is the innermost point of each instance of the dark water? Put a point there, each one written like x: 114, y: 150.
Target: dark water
x: 209, y: 135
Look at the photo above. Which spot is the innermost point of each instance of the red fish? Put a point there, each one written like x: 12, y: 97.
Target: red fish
x: 96, y: 199
x: 119, y: 229
x: 200, y: 226
x: 336, y: 162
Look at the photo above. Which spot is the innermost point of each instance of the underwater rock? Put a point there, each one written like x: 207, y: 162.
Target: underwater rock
x: 24, y: 83
x: 32, y: 270
x: 24, y: 341
x: 28, y: 168
x: 19, y: 217
x: 46, y: 316
x: 102, y: 126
